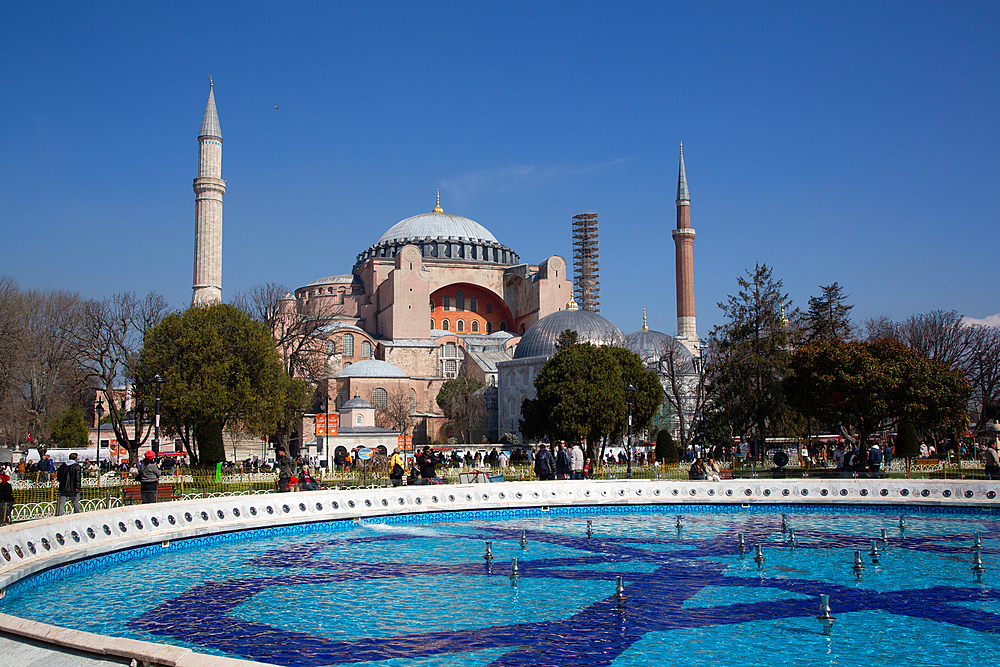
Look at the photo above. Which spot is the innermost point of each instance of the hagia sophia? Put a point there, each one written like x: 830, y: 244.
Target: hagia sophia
x: 437, y: 296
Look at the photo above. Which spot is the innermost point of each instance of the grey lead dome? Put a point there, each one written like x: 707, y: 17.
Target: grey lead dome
x: 540, y: 339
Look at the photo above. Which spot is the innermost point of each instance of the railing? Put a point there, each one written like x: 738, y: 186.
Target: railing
x: 35, y: 500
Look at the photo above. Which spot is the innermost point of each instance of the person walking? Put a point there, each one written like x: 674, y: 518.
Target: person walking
x: 397, y: 467
x: 545, y: 464
x: 149, y: 478
x: 578, y: 460
x: 70, y: 476
x: 992, y: 460
x: 6, y: 500
x: 285, y: 470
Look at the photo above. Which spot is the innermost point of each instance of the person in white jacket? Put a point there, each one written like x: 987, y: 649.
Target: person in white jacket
x: 578, y: 459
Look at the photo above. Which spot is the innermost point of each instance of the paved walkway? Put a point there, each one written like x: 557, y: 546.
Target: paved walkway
x: 18, y: 652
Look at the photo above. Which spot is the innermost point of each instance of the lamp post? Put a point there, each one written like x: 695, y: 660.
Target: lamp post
x: 159, y: 382
x: 99, y: 411
x: 630, y: 392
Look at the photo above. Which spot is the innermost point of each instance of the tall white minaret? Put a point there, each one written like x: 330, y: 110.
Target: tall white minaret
x: 209, y: 188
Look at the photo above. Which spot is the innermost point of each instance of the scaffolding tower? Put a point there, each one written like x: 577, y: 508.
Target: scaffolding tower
x: 586, y: 263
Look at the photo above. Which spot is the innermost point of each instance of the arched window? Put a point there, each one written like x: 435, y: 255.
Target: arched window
x: 341, y: 398
x: 380, y: 399
x: 450, y: 350
x: 503, y: 326
x: 446, y: 302
x: 366, y: 349
x: 446, y: 325
x: 413, y: 400
x: 489, y: 327
x: 460, y: 301
x: 433, y: 324
x: 331, y: 347
x: 475, y: 326
x: 461, y: 325
x: 474, y: 306
x: 522, y: 327
x: 348, y: 345
x: 432, y: 305
x: 489, y: 307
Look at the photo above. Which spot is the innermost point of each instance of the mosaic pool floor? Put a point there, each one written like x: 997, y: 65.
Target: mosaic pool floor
x: 422, y: 594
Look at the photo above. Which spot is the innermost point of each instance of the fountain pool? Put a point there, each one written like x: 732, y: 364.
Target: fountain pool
x: 416, y: 590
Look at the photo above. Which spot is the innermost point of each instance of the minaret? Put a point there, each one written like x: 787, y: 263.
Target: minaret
x: 209, y: 188
x: 684, y: 243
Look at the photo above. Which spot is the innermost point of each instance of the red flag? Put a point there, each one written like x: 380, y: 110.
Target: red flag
x: 28, y: 433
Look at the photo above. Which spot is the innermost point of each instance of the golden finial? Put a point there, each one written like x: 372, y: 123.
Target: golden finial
x: 784, y: 320
x: 437, y: 206
x: 644, y: 327
x: 682, y: 148
x: 572, y: 305
x: 211, y: 84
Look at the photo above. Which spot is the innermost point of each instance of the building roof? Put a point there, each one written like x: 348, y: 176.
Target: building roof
x: 487, y: 361
x: 210, y: 123
x: 344, y: 279
x: 437, y: 225
x: 337, y: 326
x: 651, y: 345
x: 540, y: 339
x: 357, y: 403
x: 371, y: 368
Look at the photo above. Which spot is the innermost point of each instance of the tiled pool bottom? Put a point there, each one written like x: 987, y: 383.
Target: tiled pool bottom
x: 420, y: 593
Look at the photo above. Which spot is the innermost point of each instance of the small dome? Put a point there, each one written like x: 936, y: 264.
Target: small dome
x: 437, y: 226
x: 651, y: 345
x: 540, y: 339
x: 357, y: 403
x: 371, y: 368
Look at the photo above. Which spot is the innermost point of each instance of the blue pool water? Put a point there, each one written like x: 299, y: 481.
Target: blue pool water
x: 420, y: 593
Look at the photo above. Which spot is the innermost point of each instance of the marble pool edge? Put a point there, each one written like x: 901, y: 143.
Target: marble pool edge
x: 32, y: 548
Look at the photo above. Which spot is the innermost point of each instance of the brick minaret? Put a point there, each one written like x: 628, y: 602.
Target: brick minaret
x: 684, y: 242
x: 209, y: 188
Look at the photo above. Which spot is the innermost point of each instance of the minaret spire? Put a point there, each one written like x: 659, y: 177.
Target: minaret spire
x: 682, y: 181
x: 687, y: 332
x: 437, y: 206
x: 209, y: 188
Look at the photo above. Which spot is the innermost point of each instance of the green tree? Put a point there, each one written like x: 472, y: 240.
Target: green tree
x: 828, y: 317
x: 580, y: 393
x: 456, y: 400
x: 749, y: 356
x: 870, y: 385
x: 70, y: 429
x: 666, y: 448
x: 221, y: 367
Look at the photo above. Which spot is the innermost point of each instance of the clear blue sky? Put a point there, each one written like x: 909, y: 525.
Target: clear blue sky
x: 850, y: 142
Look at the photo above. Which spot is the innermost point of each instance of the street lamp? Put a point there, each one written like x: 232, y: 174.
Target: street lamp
x: 630, y: 393
x: 99, y: 411
x: 159, y: 382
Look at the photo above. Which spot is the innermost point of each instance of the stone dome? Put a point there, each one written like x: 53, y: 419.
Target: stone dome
x: 371, y: 368
x: 440, y: 235
x: 540, y: 339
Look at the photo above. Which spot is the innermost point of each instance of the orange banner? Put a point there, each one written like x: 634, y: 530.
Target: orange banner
x: 334, y: 424
x: 320, y: 424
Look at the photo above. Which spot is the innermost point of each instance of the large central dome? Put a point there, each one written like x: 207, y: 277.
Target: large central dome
x: 441, y: 236
x: 437, y: 225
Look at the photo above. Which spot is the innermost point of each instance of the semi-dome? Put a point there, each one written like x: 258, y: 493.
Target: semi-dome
x: 371, y: 368
x: 440, y: 235
x: 540, y: 339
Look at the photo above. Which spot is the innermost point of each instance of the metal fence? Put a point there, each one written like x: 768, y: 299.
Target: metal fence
x: 37, y: 499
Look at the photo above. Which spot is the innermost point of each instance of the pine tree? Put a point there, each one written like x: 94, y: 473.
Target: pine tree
x: 828, y: 317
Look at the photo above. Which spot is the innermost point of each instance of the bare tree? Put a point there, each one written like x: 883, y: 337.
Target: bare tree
x: 984, y: 374
x: 295, y: 326
x: 108, y: 344
x: 397, y: 413
x: 43, y: 378
x: 684, y: 381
